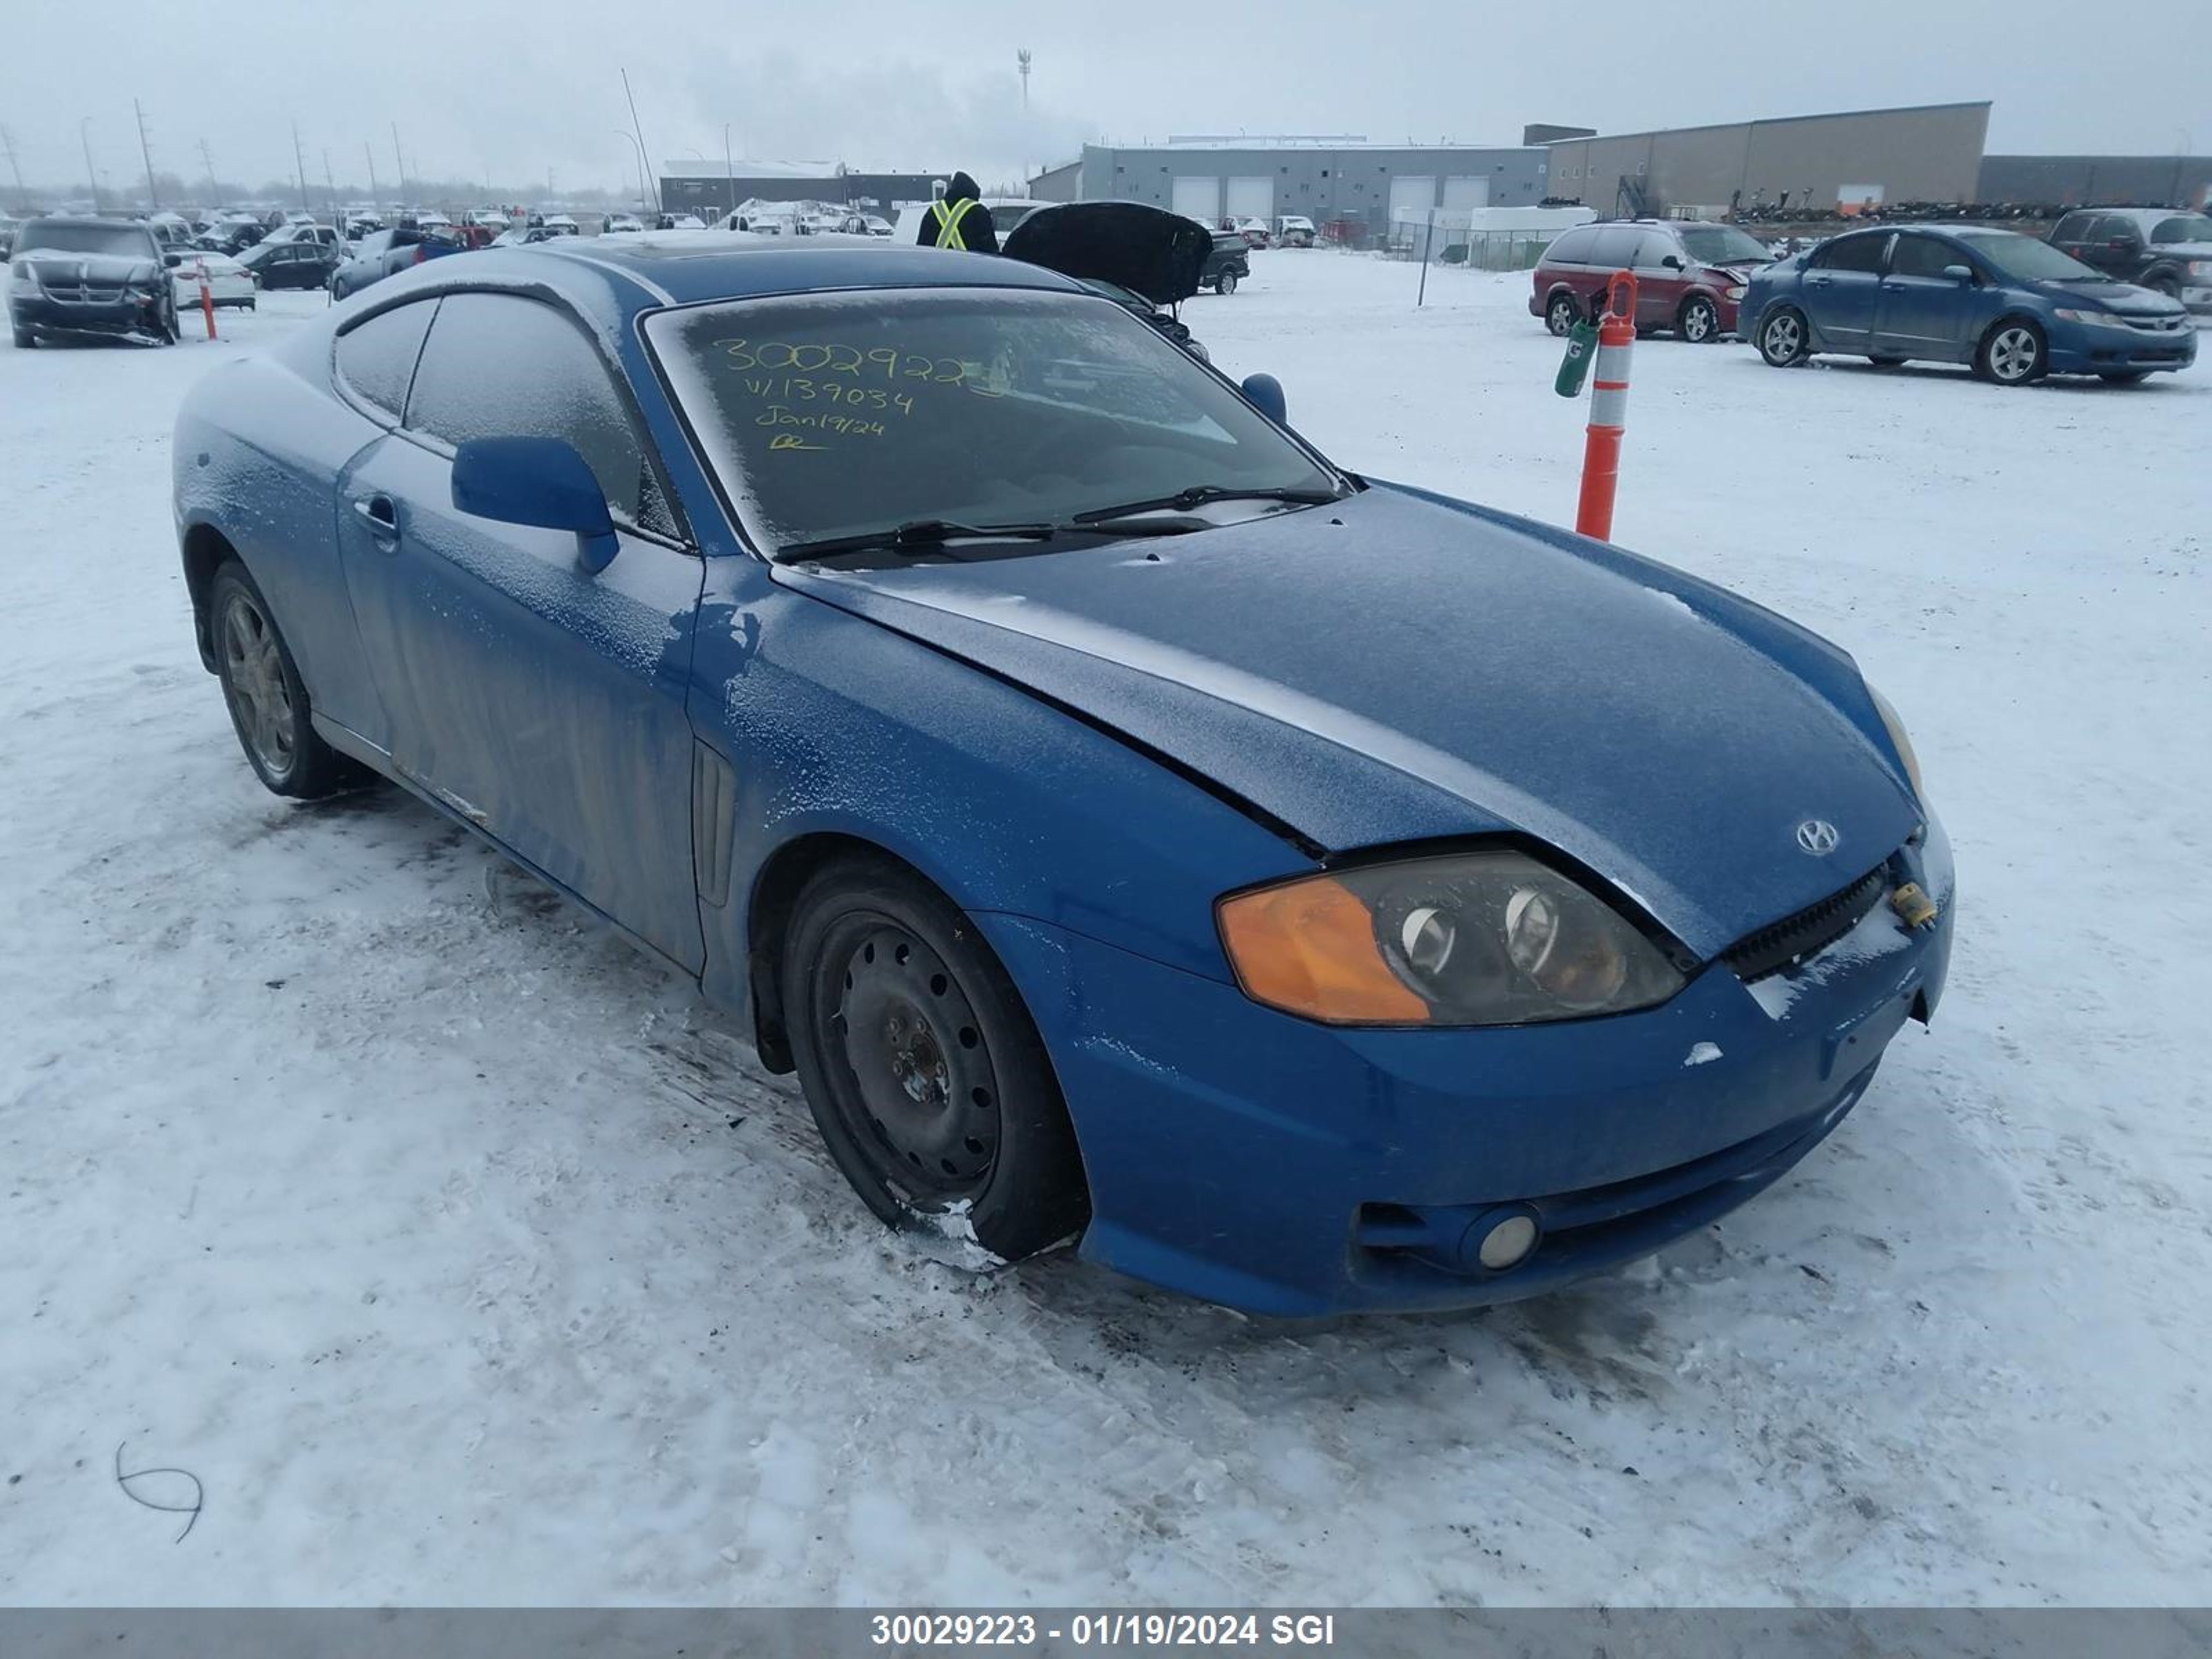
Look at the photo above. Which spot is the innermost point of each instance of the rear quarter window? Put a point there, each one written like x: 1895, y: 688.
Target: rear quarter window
x: 376, y: 359
x: 1569, y: 248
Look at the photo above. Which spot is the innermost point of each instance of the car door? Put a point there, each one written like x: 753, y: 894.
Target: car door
x: 1923, y: 312
x: 2071, y: 233
x: 2115, y: 248
x: 1659, y: 286
x: 541, y: 701
x: 1842, y: 289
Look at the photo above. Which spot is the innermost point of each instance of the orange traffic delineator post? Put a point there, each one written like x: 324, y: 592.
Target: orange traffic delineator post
x: 1616, y: 337
x: 207, y: 300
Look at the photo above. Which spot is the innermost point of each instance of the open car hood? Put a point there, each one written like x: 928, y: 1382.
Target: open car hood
x: 1143, y: 249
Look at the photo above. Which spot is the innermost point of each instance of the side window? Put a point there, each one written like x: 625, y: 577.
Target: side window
x: 376, y: 359
x: 1572, y: 248
x: 1615, y: 248
x: 498, y: 366
x: 1852, y: 253
x: 2110, y: 228
x: 1923, y: 256
x: 2073, y: 227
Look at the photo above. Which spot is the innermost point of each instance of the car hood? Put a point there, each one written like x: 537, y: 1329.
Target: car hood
x: 56, y: 266
x: 1398, y: 667
x: 2123, y: 298
x: 1147, y: 250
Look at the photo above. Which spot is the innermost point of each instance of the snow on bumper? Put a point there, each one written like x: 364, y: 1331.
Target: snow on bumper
x: 1243, y: 1155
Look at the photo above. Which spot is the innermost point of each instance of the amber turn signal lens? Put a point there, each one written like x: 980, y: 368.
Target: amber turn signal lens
x: 1307, y: 947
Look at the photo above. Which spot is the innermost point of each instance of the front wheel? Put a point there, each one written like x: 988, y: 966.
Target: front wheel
x: 1225, y: 283
x: 924, y: 1071
x: 1560, y: 313
x: 1700, y: 320
x: 268, y: 703
x: 1781, y: 337
x: 2013, y: 354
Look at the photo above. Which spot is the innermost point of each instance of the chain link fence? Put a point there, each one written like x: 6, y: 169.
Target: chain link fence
x: 1447, y: 240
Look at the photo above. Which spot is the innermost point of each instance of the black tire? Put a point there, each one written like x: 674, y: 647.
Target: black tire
x: 924, y: 1071
x: 1225, y: 284
x: 169, y: 331
x: 24, y: 340
x: 1699, y: 321
x: 1784, y: 339
x: 1561, y: 312
x: 261, y: 686
x: 2123, y: 376
x: 1887, y: 363
x: 2168, y: 285
x: 2013, y: 353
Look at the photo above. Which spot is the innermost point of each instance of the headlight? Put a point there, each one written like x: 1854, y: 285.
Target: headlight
x: 1463, y: 939
x: 1738, y: 292
x: 2199, y: 267
x: 22, y: 275
x: 1896, y: 727
x: 2101, y: 318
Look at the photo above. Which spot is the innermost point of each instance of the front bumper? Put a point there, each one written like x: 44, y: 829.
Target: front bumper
x: 130, y: 312
x: 1240, y: 1155
x: 2097, y: 349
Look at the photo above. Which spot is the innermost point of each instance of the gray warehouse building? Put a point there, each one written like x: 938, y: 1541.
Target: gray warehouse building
x: 1922, y: 153
x: 2110, y: 180
x: 1322, y: 178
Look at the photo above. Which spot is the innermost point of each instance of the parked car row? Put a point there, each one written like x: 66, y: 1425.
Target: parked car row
x: 2110, y: 293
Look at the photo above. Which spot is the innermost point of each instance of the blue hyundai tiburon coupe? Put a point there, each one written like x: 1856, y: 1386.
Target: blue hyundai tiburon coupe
x: 1310, y: 893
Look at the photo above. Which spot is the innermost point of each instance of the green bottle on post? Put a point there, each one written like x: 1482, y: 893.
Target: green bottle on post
x: 1581, y: 352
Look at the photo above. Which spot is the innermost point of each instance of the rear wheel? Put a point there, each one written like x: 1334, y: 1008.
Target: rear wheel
x: 268, y: 703
x: 1781, y: 337
x: 1225, y: 283
x: 2012, y: 353
x: 925, y: 1073
x: 1699, y: 320
x: 1560, y: 313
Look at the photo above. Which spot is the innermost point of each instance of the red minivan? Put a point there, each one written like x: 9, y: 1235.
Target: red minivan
x: 1689, y: 274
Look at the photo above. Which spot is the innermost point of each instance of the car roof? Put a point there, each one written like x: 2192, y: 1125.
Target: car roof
x: 89, y: 222
x: 688, y: 266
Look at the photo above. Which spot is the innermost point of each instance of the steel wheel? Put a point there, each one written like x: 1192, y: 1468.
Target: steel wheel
x: 1559, y: 315
x: 924, y: 1071
x: 1227, y: 284
x: 1700, y: 320
x: 254, y: 680
x: 912, y: 1074
x: 2013, y: 355
x: 1782, y: 340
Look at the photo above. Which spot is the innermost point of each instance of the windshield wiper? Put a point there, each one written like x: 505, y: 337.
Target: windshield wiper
x: 916, y: 535
x: 1198, y: 494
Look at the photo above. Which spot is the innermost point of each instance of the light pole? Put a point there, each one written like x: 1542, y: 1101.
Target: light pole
x: 92, y: 176
x: 638, y: 144
x: 1022, y: 58
x: 729, y: 169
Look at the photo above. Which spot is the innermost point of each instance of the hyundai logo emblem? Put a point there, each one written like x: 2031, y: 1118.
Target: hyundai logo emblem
x: 1818, y: 836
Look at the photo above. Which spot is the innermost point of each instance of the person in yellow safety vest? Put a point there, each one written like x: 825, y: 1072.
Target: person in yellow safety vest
x: 958, y: 220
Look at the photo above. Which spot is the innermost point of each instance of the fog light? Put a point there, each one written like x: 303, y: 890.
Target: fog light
x: 1499, y: 1239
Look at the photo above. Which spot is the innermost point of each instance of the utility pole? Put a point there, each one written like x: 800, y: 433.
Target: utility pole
x: 369, y: 155
x: 299, y: 164
x: 329, y: 185
x: 401, y: 158
x: 207, y: 160
x: 1022, y: 58
x: 146, y: 150
x: 8, y: 143
x: 729, y: 169
x: 638, y: 132
x: 91, y: 173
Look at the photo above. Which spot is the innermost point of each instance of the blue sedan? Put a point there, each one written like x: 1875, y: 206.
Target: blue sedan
x: 1307, y: 892
x: 2015, y: 308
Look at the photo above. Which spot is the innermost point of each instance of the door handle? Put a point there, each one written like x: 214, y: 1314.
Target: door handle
x: 1817, y: 282
x: 382, y: 516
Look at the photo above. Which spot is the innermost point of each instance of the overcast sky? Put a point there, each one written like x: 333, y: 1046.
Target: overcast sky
x: 508, y: 90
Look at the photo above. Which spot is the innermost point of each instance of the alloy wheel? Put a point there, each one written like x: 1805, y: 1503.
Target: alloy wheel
x: 2015, y: 354
x: 253, y: 675
x: 1784, y: 338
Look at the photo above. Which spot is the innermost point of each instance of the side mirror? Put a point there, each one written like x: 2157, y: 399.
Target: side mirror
x: 1671, y: 262
x: 1264, y: 393
x: 541, y: 482
x: 1959, y: 273
x: 173, y: 258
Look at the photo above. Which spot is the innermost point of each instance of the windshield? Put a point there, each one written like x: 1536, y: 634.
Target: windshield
x: 2027, y: 260
x: 2183, y: 228
x: 126, y: 241
x: 834, y: 416
x: 1722, y: 244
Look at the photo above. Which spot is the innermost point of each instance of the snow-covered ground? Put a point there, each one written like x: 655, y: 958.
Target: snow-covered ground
x: 462, y: 1258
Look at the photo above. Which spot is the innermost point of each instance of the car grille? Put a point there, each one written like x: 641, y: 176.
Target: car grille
x: 1792, y: 939
x: 86, y: 293
x: 2161, y: 325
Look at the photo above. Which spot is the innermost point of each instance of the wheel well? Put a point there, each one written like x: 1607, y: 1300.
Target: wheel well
x: 2027, y: 317
x: 767, y: 919
x: 205, y: 552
